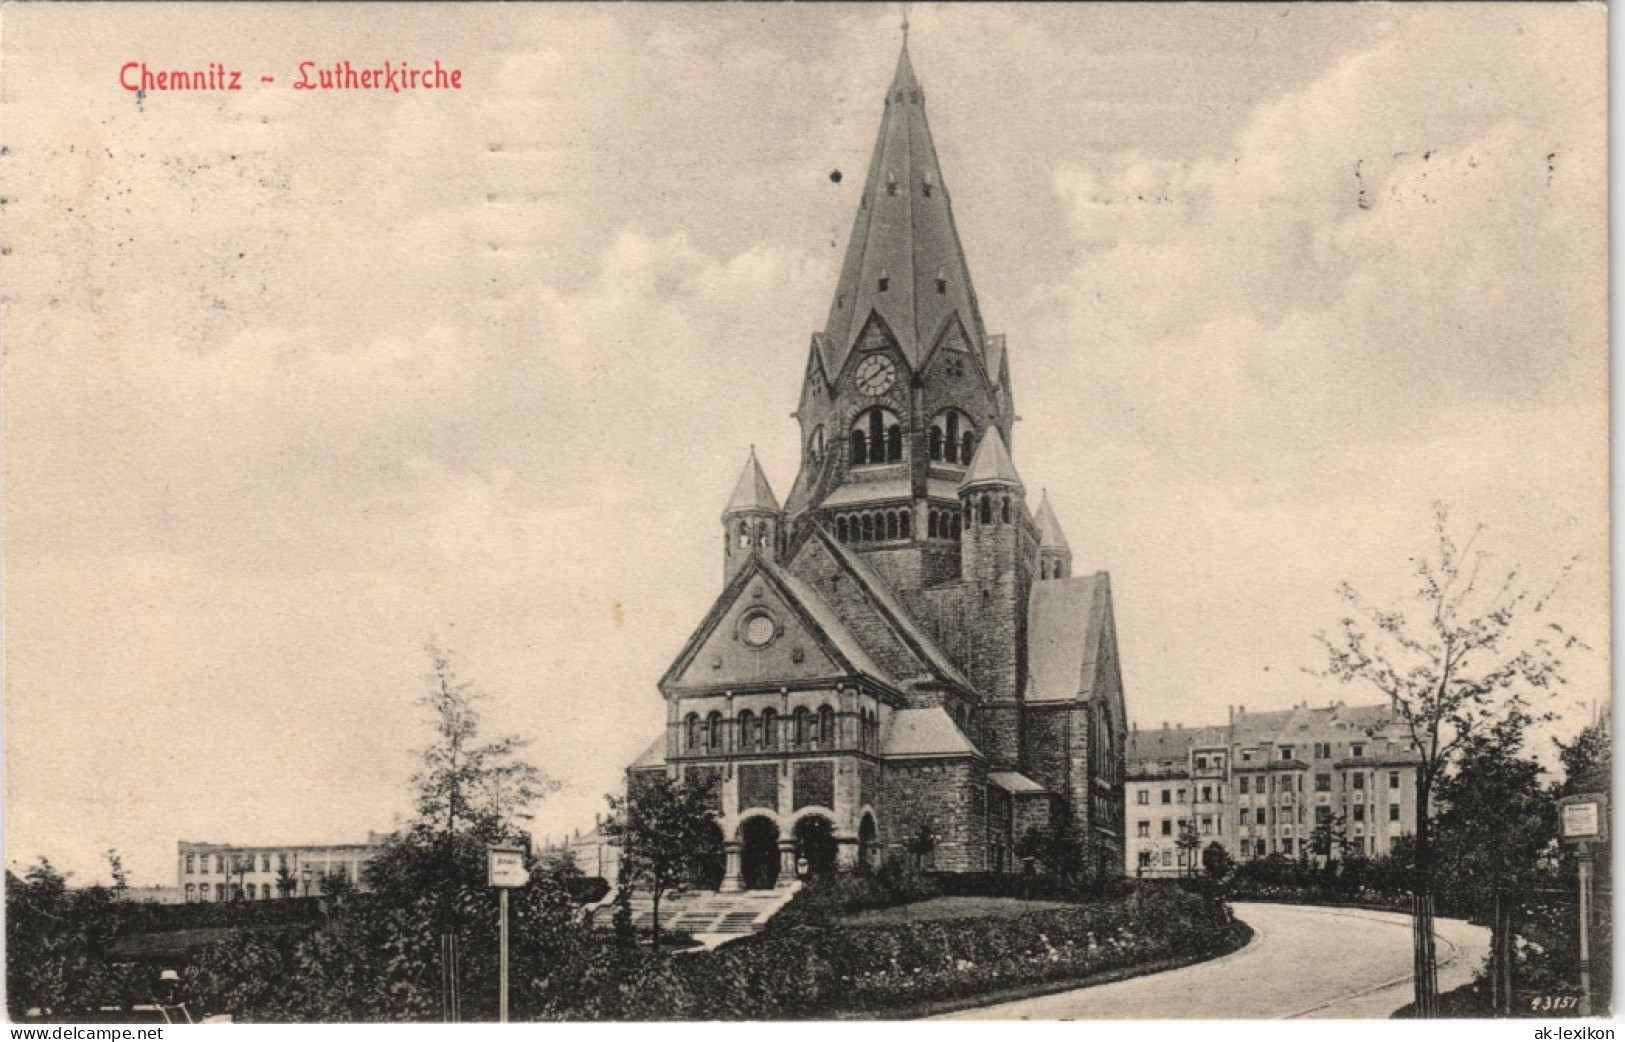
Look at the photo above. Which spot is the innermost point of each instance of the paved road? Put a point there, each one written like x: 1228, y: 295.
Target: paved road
x: 1302, y: 962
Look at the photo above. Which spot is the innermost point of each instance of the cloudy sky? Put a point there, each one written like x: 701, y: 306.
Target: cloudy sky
x: 294, y: 381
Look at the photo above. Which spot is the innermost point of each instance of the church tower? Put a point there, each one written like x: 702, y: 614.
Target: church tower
x: 752, y: 520
x: 903, y: 383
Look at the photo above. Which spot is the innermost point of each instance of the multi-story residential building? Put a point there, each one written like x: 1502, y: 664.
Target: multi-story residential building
x: 1263, y: 783
x: 226, y: 872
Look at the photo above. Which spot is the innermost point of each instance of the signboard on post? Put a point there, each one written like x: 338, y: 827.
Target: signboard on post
x: 505, y: 867
x: 1582, y: 819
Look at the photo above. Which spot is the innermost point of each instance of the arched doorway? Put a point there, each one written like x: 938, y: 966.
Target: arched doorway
x: 759, y: 853
x: 709, y: 864
x: 815, y: 841
x: 868, y: 848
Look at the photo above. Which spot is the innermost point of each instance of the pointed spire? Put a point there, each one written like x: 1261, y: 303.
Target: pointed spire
x: 752, y: 492
x: 903, y: 262
x: 1050, y: 536
x: 991, y: 464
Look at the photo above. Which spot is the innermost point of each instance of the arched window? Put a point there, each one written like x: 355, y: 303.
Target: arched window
x: 815, y: 447
x: 985, y: 510
x: 802, y: 727
x: 868, y: 527
x: 713, y: 731
x: 744, y: 534
x: 840, y: 529
x: 253, y: 892
x: 953, y: 528
x: 826, y: 727
x: 891, y: 526
x: 691, y: 731
x: 770, y: 729
x: 191, y: 892
x: 747, y: 720
x: 203, y: 891
x: 905, y: 525
x: 931, y: 524
x: 877, y: 437
x: 967, y: 443
x: 1004, y: 509
x: 951, y: 437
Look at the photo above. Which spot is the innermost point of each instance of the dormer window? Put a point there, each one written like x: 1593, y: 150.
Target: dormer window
x: 884, y: 282
x: 928, y: 184
x: 942, y: 280
x: 891, y: 183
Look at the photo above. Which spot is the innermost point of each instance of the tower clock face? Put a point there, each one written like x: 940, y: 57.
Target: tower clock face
x: 876, y: 375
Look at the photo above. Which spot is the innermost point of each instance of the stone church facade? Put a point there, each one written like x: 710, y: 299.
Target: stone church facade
x: 901, y: 662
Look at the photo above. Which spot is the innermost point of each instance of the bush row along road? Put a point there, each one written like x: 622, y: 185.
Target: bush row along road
x: 1303, y: 961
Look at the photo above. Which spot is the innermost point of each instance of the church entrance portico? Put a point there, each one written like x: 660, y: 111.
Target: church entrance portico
x: 759, y: 853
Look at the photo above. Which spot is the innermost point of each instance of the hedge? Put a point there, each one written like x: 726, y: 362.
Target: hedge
x: 807, y: 972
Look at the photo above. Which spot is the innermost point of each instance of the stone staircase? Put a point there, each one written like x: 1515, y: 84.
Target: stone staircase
x: 712, y: 918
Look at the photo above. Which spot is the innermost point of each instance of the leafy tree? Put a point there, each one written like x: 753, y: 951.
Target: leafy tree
x: 1217, y: 862
x: 1189, y: 843
x: 1475, y: 650
x: 1495, y: 821
x: 1587, y: 761
x: 57, y: 941
x: 116, y: 870
x: 1330, y: 837
x: 286, y: 883
x: 663, y: 827
x: 920, y: 843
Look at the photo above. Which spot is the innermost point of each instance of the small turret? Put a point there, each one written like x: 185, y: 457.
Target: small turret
x: 751, y: 521
x: 1054, y: 555
x: 991, y: 497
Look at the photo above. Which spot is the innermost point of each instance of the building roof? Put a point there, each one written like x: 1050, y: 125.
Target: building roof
x: 654, y: 756
x: 1306, y: 723
x: 880, y: 593
x: 855, y: 492
x: 1172, y: 743
x: 992, y: 464
x: 925, y: 732
x: 904, y: 269
x: 1015, y: 784
x: 1050, y: 536
x: 752, y: 491
x: 829, y: 620
x: 1065, y: 625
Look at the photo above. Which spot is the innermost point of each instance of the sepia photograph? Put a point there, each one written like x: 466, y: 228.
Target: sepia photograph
x: 806, y: 512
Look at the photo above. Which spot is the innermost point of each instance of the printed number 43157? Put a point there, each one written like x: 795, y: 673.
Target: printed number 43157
x: 1545, y: 1003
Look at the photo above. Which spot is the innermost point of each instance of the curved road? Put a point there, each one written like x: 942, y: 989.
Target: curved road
x: 1302, y: 962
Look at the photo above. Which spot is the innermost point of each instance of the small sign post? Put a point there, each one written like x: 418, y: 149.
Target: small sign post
x: 505, y: 869
x: 1583, y: 820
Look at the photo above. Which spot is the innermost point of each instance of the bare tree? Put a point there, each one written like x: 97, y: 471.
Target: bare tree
x: 1476, y: 648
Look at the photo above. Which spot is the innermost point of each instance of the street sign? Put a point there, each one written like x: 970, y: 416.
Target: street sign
x: 506, y: 867
x: 1582, y: 819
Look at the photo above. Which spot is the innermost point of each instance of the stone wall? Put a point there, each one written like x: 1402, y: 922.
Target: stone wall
x: 948, y: 794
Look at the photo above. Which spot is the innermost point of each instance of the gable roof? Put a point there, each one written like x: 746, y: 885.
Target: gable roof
x: 895, y: 612
x: 1066, y: 622
x: 925, y: 732
x: 1015, y: 784
x: 822, y: 621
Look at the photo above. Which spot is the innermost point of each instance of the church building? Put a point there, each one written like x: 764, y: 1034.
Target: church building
x: 901, y: 662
